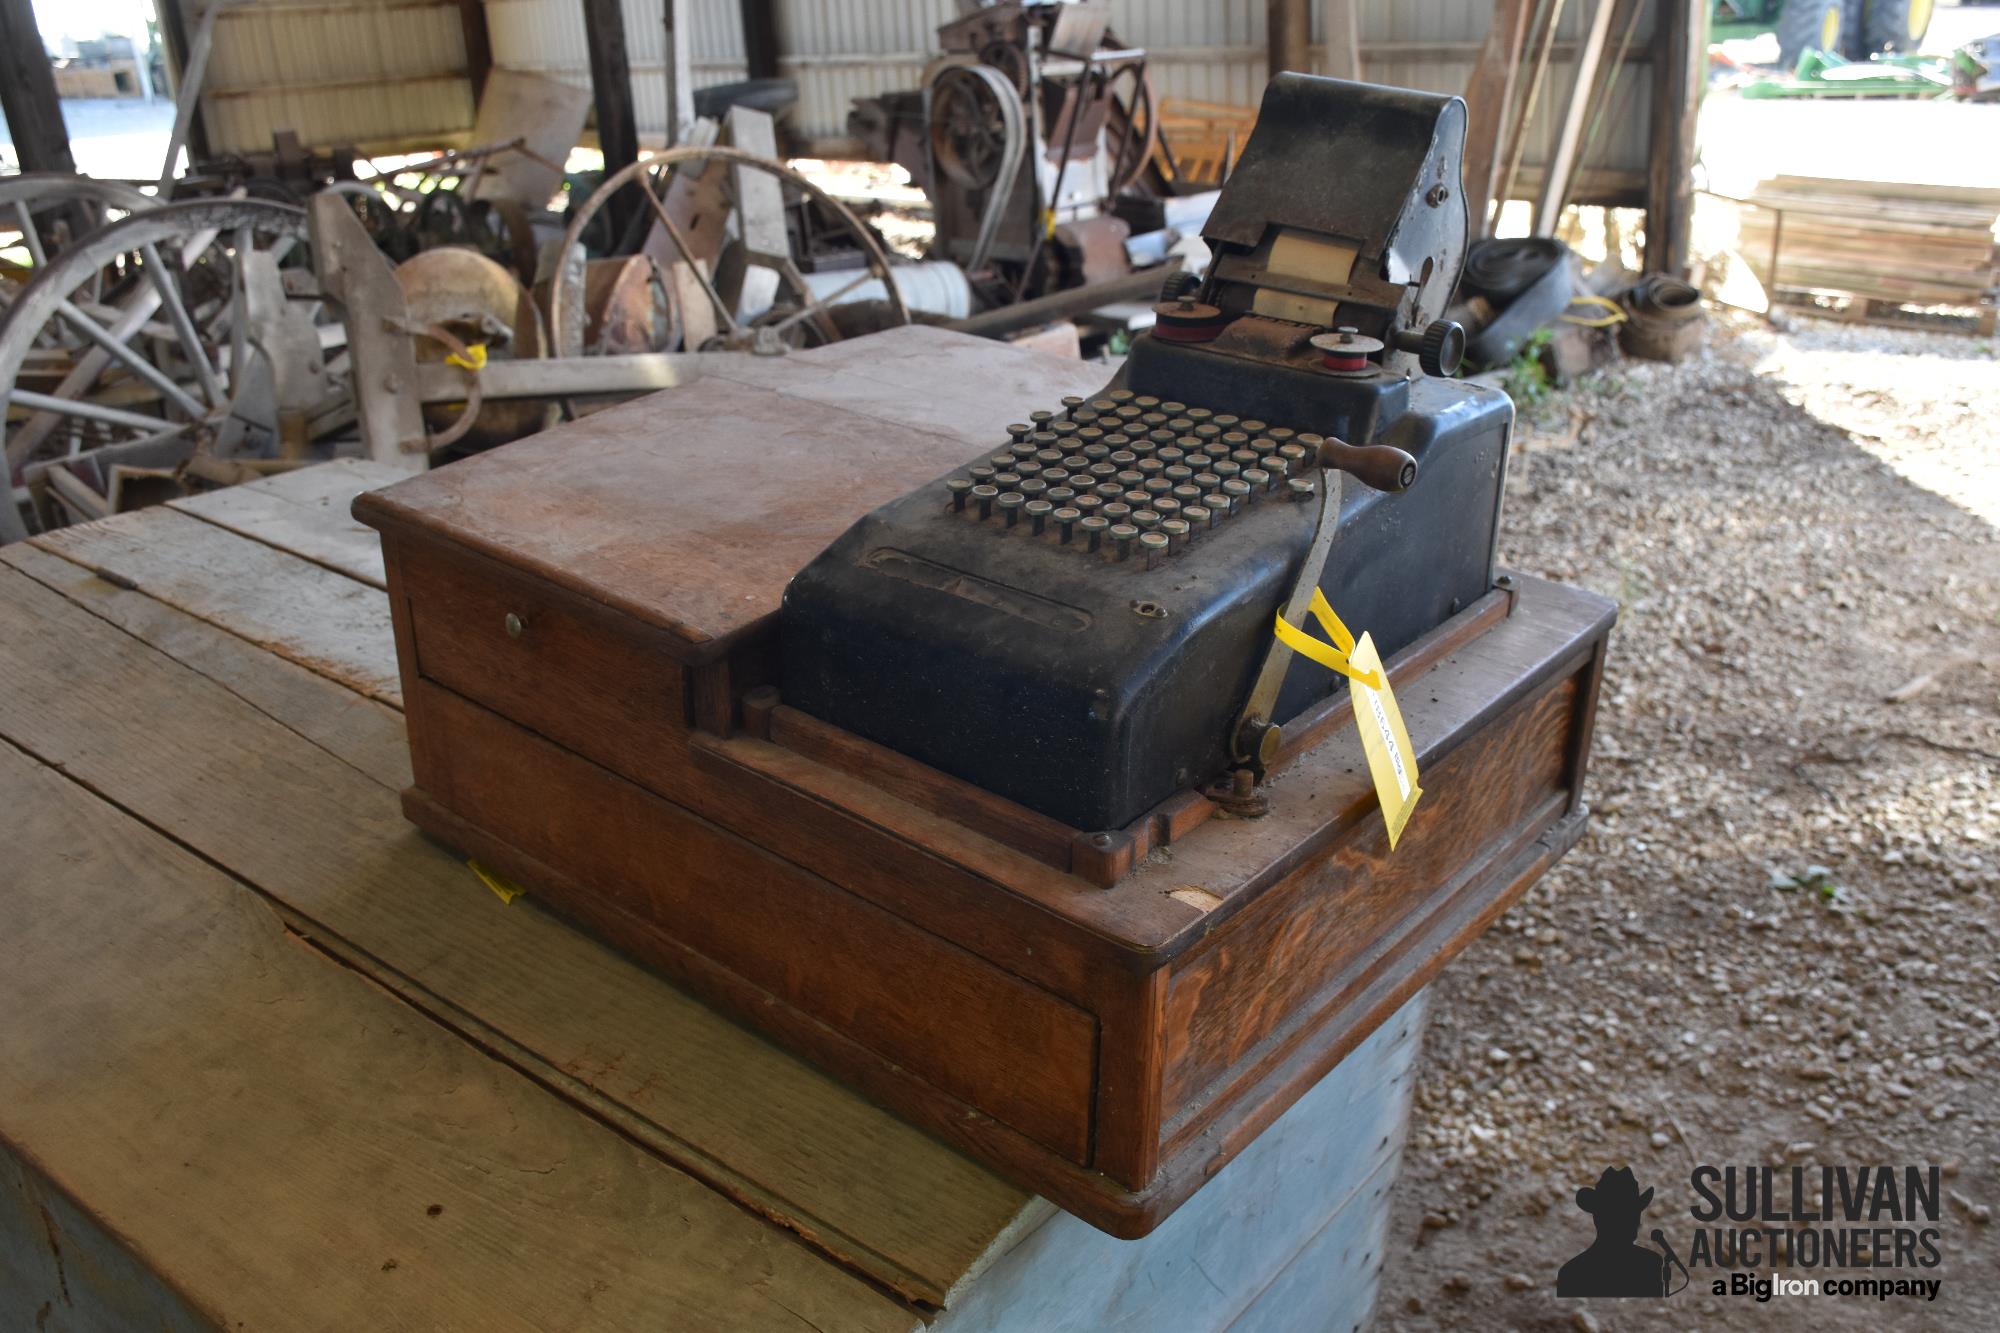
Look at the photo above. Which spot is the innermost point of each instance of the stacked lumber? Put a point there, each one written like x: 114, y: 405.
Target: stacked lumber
x: 1200, y: 141
x: 1875, y: 241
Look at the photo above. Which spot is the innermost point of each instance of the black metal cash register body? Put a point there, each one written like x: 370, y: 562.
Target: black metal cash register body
x: 1074, y: 620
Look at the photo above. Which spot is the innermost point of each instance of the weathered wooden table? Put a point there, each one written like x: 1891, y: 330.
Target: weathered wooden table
x: 270, y: 1059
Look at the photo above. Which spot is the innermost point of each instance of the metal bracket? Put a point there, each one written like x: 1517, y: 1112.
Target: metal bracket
x: 382, y: 356
x: 1254, y: 741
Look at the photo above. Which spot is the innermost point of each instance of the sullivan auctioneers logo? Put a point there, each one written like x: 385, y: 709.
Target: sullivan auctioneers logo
x: 1752, y: 1218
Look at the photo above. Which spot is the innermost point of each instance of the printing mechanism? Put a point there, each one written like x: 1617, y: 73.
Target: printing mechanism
x: 1080, y: 618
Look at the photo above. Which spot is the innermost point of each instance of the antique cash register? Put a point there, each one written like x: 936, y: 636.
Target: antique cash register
x: 934, y: 708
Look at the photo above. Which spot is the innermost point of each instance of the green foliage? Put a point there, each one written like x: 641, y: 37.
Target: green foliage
x: 1816, y: 880
x: 1526, y: 379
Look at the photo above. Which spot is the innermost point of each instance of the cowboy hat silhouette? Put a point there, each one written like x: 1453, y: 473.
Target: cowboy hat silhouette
x: 1614, y: 1265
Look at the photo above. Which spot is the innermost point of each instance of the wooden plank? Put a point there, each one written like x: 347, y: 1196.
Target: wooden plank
x: 1542, y: 35
x: 28, y: 94
x: 306, y: 513
x: 357, y: 730
x: 895, y: 375
x: 725, y: 530
x: 1342, y: 23
x: 326, y: 622
x: 1872, y: 212
x: 60, y: 1269
x: 1288, y: 26
x: 611, y: 86
x: 1979, y: 196
x: 1020, y: 828
x: 277, y: 1136
x: 1320, y: 1161
x: 1680, y: 75
x: 331, y: 845
x: 1561, y: 163
x: 1489, y: 100
x: 1337, y: 1274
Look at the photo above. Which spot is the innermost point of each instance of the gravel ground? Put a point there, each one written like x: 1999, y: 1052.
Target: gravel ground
x: 1776, y: 943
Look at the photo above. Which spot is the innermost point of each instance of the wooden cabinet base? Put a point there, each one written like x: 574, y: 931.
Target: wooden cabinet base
x: 1106, y: 1017
x: 1110, y: 1049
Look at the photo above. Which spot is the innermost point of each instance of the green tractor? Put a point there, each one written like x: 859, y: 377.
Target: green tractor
x: 1855, y: 29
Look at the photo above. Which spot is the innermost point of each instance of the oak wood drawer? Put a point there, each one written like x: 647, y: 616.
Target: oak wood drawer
x: 1260, y: 977
x: 593, y: 679
x: 993, y: 1040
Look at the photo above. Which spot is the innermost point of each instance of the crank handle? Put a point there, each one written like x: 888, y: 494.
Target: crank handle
x: 1382, y: 466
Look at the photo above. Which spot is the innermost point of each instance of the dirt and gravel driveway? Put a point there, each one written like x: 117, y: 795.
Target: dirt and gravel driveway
x: 1777, y: 942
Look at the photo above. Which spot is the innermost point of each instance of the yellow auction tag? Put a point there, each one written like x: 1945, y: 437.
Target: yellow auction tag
x: 506, y: 889
x: 1392, y: 761
x: 1336, y: 656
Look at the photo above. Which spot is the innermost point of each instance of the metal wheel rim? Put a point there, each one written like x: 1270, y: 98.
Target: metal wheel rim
x: 563, y: 341
x: 41, y: 299
x: 964, y: 100
x: 1142, y: 95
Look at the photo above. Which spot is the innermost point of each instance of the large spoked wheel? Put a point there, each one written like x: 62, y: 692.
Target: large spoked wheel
x: 169, y: 333
x: 52, y: 211
x: 970, y: 124
x: 43, y: 205
x: 801, y: 315
x: 1135, y: 128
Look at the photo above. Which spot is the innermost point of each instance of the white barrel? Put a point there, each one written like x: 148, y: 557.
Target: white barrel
x: 934, y: 286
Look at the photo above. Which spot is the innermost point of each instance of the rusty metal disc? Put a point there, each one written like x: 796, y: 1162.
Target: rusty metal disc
x: 628, y: 306
x: 477, y: 302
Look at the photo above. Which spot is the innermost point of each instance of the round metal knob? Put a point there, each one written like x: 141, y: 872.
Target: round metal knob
x: 515, y: 626
x: 1443, y: 348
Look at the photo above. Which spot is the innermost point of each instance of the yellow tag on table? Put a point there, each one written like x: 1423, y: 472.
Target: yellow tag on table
x: 505, y: 889
x: 1392, y: 761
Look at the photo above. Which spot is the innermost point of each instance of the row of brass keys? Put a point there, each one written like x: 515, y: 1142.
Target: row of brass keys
x: 1125, y: 473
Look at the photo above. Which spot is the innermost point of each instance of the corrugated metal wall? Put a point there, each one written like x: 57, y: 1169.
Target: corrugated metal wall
x: 1207, y: 50
x: 351, y: 71
x: 546, y: 36
x: 334, y: 72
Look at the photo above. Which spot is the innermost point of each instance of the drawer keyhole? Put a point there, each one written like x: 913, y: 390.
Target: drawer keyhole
x: 515, y: 625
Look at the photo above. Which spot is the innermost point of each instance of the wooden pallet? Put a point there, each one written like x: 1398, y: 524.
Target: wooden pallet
x: 1979, y: 320
x: 1876, y: 251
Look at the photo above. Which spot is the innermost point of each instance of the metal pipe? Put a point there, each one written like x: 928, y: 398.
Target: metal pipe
x: 76, y: 407
x: 1064, y: 303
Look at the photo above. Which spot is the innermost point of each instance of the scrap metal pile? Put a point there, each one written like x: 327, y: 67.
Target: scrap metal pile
x: 152, y: 344
x: 271, y: 310
x: 1035, y: 136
